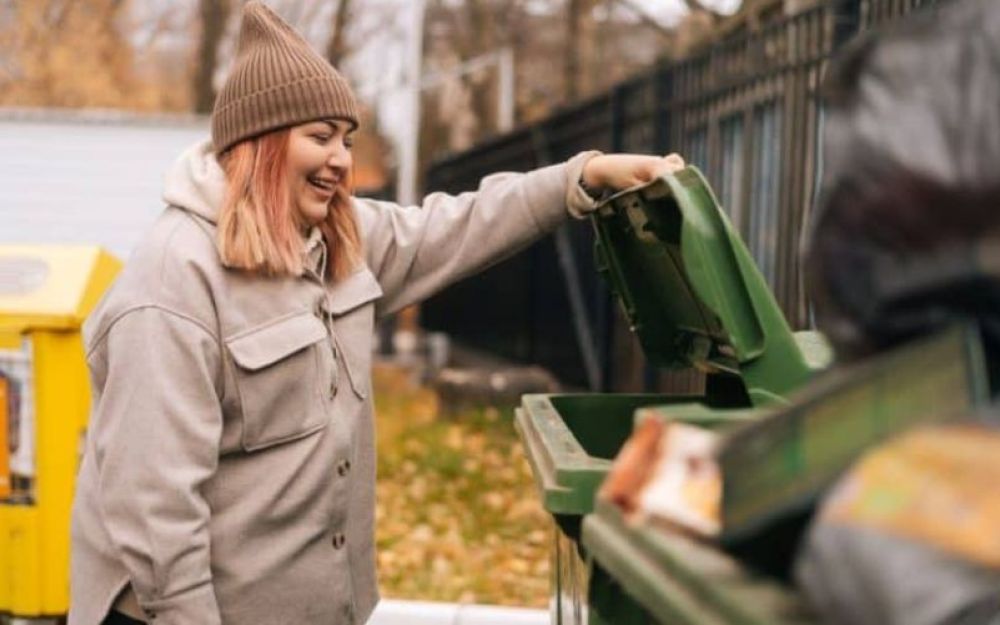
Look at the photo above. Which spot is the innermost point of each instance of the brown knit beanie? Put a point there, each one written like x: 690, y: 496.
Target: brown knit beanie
x: 277, y: 80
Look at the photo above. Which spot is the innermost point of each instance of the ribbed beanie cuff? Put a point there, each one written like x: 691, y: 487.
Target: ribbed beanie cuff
x: 277, y: 80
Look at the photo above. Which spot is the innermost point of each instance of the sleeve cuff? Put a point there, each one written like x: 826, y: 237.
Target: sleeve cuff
x: 195, y: 607
x: 578, y: 201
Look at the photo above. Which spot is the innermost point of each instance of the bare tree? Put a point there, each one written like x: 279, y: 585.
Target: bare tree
x: 640, y: 12
x: 585, y: 63
x: 455, y: 35
x: 336, y: 48
x: 572, y: 61
x: 214, y: 15
x: 563, y: 50
x: 69, y: 53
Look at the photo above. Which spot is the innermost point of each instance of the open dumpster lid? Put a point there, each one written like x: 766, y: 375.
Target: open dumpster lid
x: 690, y: 288
x: 49, y: 286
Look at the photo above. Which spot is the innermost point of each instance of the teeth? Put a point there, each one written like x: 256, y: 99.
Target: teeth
x: 325, y: 184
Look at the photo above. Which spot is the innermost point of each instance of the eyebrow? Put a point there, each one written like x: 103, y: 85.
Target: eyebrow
x: 335, y: 124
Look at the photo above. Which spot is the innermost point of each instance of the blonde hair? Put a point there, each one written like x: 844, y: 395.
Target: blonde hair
x: 259, y: 229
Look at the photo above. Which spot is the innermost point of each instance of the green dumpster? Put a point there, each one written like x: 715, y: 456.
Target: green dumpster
x: 694, y: 298
x: 774, y: 467
x: 644, y: 575
x: 571, y: 441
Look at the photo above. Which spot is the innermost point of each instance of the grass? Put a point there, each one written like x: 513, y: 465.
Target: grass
x: 458, y: 517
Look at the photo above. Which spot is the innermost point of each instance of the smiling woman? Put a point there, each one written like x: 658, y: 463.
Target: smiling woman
x: 229, y: 470
x: 281, y: 184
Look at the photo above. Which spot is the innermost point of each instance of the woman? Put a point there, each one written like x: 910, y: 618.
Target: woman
x: 229, y: 473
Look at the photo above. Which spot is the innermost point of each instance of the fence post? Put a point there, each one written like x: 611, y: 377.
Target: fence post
x: 604, y: 322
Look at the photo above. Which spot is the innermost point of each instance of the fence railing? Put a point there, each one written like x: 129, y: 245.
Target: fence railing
x: 745, y: 110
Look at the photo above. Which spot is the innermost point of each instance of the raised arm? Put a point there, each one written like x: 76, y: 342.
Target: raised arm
x: 417, y: 251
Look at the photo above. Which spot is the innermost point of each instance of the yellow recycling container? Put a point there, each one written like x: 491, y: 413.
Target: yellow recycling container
x: 45, y: 294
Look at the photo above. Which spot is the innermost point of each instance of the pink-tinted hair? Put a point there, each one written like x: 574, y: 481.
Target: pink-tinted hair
x: 259, y: 229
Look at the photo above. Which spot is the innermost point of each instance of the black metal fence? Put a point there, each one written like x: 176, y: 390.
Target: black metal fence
x: 746, y: 111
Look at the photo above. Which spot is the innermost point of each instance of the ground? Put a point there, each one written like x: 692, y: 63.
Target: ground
x: 458, y: 516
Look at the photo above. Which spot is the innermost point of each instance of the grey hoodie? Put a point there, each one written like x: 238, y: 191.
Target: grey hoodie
x: 229, y: 471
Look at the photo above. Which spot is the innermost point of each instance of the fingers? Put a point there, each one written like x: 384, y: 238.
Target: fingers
x: 622, y: 171
x: 674, y: 161
x: 669, y: 164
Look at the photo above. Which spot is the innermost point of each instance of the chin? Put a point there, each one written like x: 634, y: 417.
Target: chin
x: 315, y: 216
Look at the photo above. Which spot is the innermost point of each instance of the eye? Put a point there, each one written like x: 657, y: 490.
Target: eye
x: 321, y: 138
x: 348, y: 142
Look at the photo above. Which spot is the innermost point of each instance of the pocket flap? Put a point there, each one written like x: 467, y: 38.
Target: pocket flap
x: 356, y: 289
x: 265, y: 345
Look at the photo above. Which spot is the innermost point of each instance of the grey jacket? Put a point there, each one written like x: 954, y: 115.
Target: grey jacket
x: 229, y: 470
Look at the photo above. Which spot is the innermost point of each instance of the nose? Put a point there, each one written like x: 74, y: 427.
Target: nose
x: 339, y: 157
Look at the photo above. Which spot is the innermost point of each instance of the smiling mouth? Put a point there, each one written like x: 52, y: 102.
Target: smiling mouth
x: 325, y: 185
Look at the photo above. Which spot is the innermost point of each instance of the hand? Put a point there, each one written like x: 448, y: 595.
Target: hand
x: 621, y: 171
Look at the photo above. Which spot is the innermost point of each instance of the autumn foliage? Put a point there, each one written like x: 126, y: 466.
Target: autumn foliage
x: 458, y: 516
x: 77, y: 54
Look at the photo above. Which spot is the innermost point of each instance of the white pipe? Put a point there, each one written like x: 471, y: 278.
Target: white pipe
x: 505, y: 109
x: 406, y: 186
x: 398, y: 612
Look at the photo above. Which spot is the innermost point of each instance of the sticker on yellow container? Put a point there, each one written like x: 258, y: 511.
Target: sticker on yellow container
x: 4, y: 444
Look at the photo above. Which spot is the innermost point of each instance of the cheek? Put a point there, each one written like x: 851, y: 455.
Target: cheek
x: 303, y: 157
x: 298, y: 172
x: 297, y: 185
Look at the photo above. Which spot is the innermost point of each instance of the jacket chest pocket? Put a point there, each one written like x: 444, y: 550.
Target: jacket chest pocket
x: 279, y: 371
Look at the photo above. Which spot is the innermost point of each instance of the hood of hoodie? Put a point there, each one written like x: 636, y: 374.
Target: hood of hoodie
x: 196, y: 182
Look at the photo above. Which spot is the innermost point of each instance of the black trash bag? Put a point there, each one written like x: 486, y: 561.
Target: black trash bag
x: 906, y: 239
x: 906, y: 234
x: 854, y: 576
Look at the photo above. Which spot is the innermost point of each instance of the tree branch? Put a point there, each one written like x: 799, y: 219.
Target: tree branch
x: 214, y: 16
x: 644, y: 17
x: 336, y: 48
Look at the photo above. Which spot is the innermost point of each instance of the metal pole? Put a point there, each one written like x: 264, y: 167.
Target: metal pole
x: 406, y: 186
x: 505, y: 92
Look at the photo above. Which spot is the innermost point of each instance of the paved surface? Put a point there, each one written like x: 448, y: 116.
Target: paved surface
x: 396, y: 612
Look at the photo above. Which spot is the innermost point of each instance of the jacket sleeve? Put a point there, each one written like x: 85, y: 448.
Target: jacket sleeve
x: 157, y: 428
x: 416, y: 251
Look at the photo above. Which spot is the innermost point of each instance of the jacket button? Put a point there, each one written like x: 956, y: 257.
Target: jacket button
x: 339, y: 540
x: 344, y: 468
x: 333, y: 390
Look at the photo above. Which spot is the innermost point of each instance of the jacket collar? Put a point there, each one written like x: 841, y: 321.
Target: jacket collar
x: 315, y: 251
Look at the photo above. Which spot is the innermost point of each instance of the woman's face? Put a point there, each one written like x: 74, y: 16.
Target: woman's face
x: 319, y: 159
